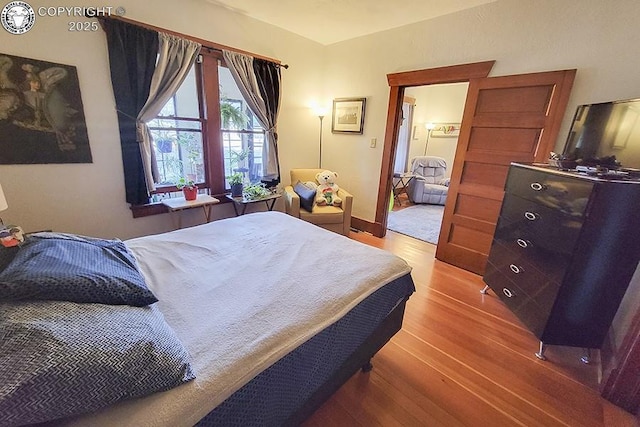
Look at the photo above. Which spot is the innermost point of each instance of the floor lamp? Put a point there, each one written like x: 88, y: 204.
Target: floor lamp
x: 430, y: 127
x: 320, y: 116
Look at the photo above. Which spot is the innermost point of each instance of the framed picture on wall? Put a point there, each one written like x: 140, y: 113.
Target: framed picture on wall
x: 348, y: 115
x: 41, y: 113
x: 446, y: 130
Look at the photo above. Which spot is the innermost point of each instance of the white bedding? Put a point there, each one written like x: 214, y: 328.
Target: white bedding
x: 240, y: 294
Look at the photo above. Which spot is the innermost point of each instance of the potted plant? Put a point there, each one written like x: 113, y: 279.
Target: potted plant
x: 255, y: 191
x: 235, y: 181
x: 165, y: 145
x: 188, y: 187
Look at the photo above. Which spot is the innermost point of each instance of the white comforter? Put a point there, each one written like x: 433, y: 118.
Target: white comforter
x: 240, y: 294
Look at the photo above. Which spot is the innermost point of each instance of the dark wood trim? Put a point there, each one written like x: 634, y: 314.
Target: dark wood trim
x: 398, y: 81
x: 547, y: 144
x: 156, y: 208
x: 449, y: 74
x: 622, y: 385
x: 363, y: 225
x: 396, y: 95
x: 205, y: 43
x: 213, y: 144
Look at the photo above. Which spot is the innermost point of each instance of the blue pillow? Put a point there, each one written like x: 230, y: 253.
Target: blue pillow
x: 307, y: 195
x: 65, y: 267
x: 59, y: 359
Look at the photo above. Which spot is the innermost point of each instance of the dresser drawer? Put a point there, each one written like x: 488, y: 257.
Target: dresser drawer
x: 565, y: 194
x: 525, y: 308
x: 545, y: 227
x: 508, y: 291
x: 516, y: 241
x: 520, y: 271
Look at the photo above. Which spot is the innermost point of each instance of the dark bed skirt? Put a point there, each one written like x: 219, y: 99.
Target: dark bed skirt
x: 295, y: 386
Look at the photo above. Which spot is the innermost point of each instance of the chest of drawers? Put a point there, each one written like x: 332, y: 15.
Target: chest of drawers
x: 564, y: 251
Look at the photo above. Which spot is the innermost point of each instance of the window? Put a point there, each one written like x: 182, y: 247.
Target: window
x: 207, y: 132
x: 177, y: 137
x: 242, y: 135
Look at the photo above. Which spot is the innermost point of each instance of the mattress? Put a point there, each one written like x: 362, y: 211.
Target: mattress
x: 241, y: 294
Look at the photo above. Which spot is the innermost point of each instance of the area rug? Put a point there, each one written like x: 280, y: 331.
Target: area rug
x: 418, y: 221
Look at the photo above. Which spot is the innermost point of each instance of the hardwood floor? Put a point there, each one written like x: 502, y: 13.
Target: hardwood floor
x: 463, y: 359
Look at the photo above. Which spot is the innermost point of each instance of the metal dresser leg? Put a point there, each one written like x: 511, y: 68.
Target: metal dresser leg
x: 540, y: 354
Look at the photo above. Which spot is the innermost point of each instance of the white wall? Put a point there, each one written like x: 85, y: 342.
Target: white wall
x: 89, y: 198
x: 522, y: 37
x: 590, y: 35
x: 436, y: 104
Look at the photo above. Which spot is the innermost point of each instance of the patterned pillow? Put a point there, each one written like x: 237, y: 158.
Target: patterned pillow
x: 307, y: 195
x: 65, y: 267
x: 59, y: 359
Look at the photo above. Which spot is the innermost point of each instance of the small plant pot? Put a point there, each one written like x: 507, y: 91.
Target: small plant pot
x: 236, y: 190
x: 190, y: 193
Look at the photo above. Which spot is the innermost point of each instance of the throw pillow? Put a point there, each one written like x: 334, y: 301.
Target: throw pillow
x: 64, y: 359
x: 65, y: 267
x: 307, y: 195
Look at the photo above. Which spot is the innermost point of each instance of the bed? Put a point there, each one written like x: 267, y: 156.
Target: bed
x: 269, y: 315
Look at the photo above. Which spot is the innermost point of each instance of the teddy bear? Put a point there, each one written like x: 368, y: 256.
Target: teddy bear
x: 327, y: 190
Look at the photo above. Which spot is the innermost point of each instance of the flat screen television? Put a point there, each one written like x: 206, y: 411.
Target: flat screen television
x: 606, y: 135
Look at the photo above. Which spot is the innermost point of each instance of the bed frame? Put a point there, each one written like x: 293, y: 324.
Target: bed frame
x: 360, y: 359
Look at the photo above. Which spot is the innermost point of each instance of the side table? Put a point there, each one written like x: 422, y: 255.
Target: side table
x: 400, y: 183
x: 270, y: 201
x: 203, y: 200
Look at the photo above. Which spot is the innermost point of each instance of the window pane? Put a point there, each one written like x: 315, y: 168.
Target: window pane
x: 178, y: 149
x: 242, y: 135
x: 178, y: 142
x: 186, y: 98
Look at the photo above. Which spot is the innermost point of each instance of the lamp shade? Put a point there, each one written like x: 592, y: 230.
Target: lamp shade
x: 3, y: 201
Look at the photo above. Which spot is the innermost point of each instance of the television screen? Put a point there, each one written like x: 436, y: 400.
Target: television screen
x: 606, y: 135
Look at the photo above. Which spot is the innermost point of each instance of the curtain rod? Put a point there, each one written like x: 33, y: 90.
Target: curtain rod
x: 205, y: 43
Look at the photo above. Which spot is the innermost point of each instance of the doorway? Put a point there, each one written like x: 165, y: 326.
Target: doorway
x: 428, y: 134
x: 398, y: 82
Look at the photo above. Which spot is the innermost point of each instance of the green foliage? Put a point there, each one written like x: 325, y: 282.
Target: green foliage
x: 232, y: 116
x: 185, y: 183
x: 235, y: 178
x: 255, y: 191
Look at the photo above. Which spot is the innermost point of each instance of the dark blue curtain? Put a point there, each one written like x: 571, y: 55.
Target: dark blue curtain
x: 132, y: 58
x: 268, y: 78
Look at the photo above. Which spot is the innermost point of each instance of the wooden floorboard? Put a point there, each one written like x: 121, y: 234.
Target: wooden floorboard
x: 463, y: 359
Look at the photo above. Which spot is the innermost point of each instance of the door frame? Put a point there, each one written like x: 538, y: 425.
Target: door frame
x: 398, y: 82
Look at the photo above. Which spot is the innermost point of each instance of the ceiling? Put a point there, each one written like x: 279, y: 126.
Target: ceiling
x: 332, y: 21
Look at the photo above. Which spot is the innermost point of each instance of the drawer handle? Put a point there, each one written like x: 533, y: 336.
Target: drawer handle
x: 515, y: 269
x: 507, y: 292
x: 537, y: 186
x: 522, y: 243
x: 530, y: 216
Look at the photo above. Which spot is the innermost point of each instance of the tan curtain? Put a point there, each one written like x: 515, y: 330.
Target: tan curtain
x: 262, y: 94
x: 175, y: 58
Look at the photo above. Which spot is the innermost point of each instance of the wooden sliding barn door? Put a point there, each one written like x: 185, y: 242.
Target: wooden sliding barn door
x: 506, y: 119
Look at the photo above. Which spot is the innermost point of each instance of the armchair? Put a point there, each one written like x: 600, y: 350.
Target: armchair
x: 430, y: 184
x: 334, y: 218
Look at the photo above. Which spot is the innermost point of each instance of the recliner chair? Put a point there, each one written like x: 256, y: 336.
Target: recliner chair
x: 430, y: 184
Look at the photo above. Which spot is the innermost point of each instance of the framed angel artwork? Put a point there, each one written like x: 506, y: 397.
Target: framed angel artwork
x: 41, y: 113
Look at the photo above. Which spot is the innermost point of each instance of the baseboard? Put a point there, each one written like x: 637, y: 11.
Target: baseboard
x: 363, y: 225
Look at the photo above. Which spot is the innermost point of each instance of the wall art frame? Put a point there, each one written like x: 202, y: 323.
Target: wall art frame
x: 348, y: 115
x: 41, y: 113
